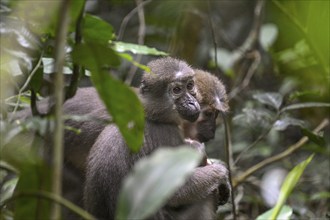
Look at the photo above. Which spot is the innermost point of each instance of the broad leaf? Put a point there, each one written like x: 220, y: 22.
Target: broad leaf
x: 288, y: 185
x: 283, y: 123
x: 285, y: 214
x: 96, y: 30
x: 306, y: 105
x: 136, y: 49
x: 34, y: 175
x: 121, y: 102
x: 154, y: 180
x: 272, y: 99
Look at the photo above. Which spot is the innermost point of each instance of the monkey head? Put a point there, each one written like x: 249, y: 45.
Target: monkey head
x: 168, y: 92
x: 212, y: 98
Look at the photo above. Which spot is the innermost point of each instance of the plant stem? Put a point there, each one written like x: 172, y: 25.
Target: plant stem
x: 60, y: 41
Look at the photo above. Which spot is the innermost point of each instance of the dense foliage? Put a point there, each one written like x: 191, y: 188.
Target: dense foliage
x: 272, y: 55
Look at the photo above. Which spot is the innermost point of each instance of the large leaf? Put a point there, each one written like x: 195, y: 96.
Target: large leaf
x: 288, y: 185
x: 95, y: 30
x: 153, y: 180
x: 136, y: 49
x: 121, y: 102
x: 34, y: 175
x: 271, y: 98
x: 306, y: 105
x: 285, y: 214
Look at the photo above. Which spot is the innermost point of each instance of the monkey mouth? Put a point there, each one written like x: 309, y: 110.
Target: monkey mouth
x: 191, y: 116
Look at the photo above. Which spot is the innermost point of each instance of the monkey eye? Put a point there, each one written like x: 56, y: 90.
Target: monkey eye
x: 176, y: 90
x: 190, y: 85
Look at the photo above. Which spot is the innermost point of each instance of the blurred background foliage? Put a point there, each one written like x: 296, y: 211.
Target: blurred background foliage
x: 273, y: 57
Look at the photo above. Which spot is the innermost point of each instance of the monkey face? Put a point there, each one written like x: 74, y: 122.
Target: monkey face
x: 203, y: 129
x: 206, y: 124
x: 183, y: 93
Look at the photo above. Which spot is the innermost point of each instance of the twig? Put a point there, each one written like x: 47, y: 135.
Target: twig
x: 238, y: 180
x: 248, y: 77
x: 128, y: 17
x: 262, y: 136
x: 229, y: 158
x: 25, y: 86
x: 60, y: 40
x: 141, y: 35
x: 249, y: 45
x: 215, y: 43
x: 77, y: 69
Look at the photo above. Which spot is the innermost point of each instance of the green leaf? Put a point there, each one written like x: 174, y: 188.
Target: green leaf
x: 285, y: 214
x: 272, y: 99
x: 154, y: 180
x: 283, y: 123
x: 306, y: 105
x: 288, y: 185
x: 120, y: 100
x: 34, y: 174
x: 95, y: 30
x: 317, y: 139
x: 95, y: 56
x: 130, y: 59
x: 136, y: 49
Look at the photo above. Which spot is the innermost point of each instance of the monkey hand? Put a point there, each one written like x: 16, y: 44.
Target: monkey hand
x: 224, y: 189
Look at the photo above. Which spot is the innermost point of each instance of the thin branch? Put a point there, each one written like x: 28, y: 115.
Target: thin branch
x: 262, y: 136
x: 215, y: 43
x: 48, y: 196
x: 60, y: 41
x: 238, y: 180
x: 141, y: 35
x: 77, y: 69
x: 248, y: 76
x: 128, y: 17
x: 250, y: 45
x: 229, y: 158
x: 25, y: 86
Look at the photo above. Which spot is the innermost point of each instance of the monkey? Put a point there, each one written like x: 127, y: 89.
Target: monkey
x: 213, y: 99
x: 86, y: 102
x: 168, y: 94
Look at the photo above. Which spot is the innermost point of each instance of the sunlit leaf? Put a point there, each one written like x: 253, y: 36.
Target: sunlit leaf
x: 136, y: 49
x: 283, y: 123
x: 285, y: 214
x: 306, y: 105
x: 153, y: 181
x: 271, y: 98
x: 255, y: 118
x: 289, y: 183
x: 268, y: 35
x: 121, y: 102
x: 130, y: 59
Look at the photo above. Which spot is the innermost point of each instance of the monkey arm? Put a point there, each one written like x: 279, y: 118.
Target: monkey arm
x: 203, y: 182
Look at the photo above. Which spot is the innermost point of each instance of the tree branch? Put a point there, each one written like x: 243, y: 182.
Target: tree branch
x: 238, y: 180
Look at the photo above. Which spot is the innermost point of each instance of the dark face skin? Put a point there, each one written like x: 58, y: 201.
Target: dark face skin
x: 204, y: 128
x: 183, y: 93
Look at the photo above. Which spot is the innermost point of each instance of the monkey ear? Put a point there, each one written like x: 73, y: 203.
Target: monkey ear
x: 218, y: 105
